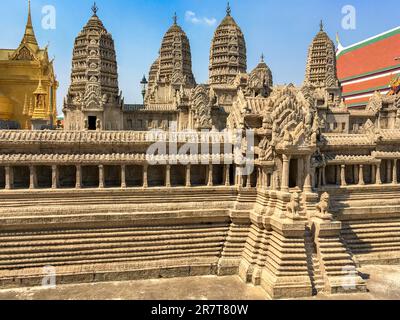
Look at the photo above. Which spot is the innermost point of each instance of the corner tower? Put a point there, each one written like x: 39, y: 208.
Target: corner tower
x: 228, y: 52
x: 321, y: 63
x: 173, y: 68
x: 93, y: 101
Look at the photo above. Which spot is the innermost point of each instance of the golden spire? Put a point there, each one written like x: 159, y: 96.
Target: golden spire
x: 29, y: 36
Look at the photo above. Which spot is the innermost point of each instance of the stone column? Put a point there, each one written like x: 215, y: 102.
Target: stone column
x: 394, y: 174
x: 248, y: 181
x: 259, y: 178
x: 210, y: 182
x: 361, y: 175
x: 307, y: 182
x: 123, y: 176
x: 8, y: 177
x: 285, y: 173
x: 188, y: 176
x: 343, y: 182
x: 145, y: 179
x: 378, y: 179
x: 373, y: 174
x: 54, y: 177
x: 227, y: 175
x: 78, y: 177
x: 32, y: 177
x: 389, y: 171
x: 324, y: 175
x: 101, y: 176
x: 168, y: 176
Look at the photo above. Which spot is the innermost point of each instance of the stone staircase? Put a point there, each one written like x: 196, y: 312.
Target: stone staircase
x: 314, y: 270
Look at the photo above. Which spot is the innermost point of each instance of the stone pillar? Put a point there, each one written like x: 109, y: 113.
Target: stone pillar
x: 378, y: 179
x: 101, y: 176
x: 78, y: 177
x: 227, y: 175
x: 389, y: 171
x: 8, y: 177
x: 210, y: 182
x: 373, y: 174
x: 394, y: 174
x: 324, y: 175
x: 343, y: 182
x: 307, y: 182
x: 248, y: 181
x: 285, y: 173
x: 145, y: 179
x: 32, y: 177
x: 361, y: 175
x: 123, y: 176
x: 168, y: 176
x: 54, y: 177
x: 188, y: 176
x: 259, y: 178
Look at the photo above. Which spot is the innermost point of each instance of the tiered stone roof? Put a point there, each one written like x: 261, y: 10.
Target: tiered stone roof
x: 321, y: 63
x: 94, y: 60
x: 228, y: 52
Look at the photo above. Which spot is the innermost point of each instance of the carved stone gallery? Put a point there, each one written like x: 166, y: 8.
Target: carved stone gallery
x: 314, y: 207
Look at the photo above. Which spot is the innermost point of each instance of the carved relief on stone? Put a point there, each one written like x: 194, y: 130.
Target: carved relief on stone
x: 375, y: 103
x: 201, y: 107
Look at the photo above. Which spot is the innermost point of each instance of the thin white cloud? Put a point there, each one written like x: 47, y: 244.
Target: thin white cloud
x: 191, y: 17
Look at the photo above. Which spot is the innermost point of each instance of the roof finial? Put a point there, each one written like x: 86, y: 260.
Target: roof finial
x: 228, y: 9
x: 175, y: 19
x: 262, y: 57
x: 95, y: 8
x: 29, y: 13
x: 321, y: 26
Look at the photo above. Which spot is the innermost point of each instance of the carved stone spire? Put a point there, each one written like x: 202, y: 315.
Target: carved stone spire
x: 228, y: 52
x: 29, y: 35
x: 173, y: 67
x: 321, y: 64
x: 228, y: 9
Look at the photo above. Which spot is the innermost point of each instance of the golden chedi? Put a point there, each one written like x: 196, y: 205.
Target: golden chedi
x: 20, y: 72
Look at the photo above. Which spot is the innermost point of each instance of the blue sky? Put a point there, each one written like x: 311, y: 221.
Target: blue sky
x: 282, y: 30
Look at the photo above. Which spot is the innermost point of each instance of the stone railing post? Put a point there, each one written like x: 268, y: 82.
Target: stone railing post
x: 227, y: 175
x: 343, y: 182
x: 210, y: 182
x: 378, y: 179
x: 361, y: 175
x: 32, y: 177
x: 8, y: 177
x: 54, y: 177
x: 101, y: 176
x: 168, y: 176
x: 188, y: 176
x: 145, y: 176
x: 123, y: 176
x: 307, y: 182
x: 78, y: 177
x: 394, y: 174
x: 285, y: 173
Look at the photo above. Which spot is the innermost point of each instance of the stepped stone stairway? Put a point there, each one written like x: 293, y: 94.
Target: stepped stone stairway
x: 370, y: 219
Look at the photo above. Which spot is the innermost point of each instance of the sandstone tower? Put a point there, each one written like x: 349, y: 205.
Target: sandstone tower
x: 228, y: 52
x: 321, y: 70
x: 93, y: 101
x: 173, y: 67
